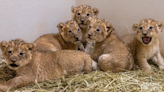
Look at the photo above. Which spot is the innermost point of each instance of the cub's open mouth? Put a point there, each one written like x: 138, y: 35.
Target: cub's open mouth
x: 146, y: 40
x: 77, y: 40
x: 83, y: 24
x: 90, y: 38
x: 13, y: 65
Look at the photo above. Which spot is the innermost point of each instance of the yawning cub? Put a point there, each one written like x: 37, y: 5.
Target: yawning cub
x: 145, y: 43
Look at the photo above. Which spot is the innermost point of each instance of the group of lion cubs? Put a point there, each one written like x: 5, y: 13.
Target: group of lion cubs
x: 55, y: 55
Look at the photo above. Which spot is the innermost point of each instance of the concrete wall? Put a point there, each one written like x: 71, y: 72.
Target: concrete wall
x: 124, y: 13
x: 28, y: 19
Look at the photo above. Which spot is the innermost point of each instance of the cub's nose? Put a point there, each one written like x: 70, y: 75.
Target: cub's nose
x: 77, y: 38
x: 82, y: 21
x: 89, y: 35
x: 14, y: 59
x: 145, y: 33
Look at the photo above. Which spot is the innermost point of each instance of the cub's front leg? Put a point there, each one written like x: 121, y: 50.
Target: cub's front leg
x: 16, y: 82
x: 157, y: 59
x: 80, y: 47
x: 95, y: 56
x: 88, y: 47
x: 144, y: 65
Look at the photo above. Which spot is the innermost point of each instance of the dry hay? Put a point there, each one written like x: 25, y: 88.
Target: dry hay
x: 97, y: 81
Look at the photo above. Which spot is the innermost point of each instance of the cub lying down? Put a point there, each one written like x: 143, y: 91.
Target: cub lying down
x: 34, y: 66
x: 69, y: 37
x: 109, y: 51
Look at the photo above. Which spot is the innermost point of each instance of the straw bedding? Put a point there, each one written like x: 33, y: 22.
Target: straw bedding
x: 96, y: 81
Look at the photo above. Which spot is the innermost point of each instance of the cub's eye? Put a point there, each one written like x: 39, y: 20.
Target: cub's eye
x: 89, y: 26
x: 9, y: 52
x: 140, y: 28
x: 87, y: 14
x: 78, y: 29
x: 70, y: 32
x: 98, y: 30
x: 21, y: 54
x: 78, y: 13
x: 150, y: 27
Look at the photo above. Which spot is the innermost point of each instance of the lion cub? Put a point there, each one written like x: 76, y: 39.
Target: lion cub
x: 110, y: 53
x: 145, y: 44
x: 34, y: 66
x: 69, y: 37
x: 81, y: 15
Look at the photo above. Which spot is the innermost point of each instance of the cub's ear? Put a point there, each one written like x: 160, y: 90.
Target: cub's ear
x: 73, y: 9
x: 61, y: 27
x: 160, y: 25
x: 95, y: 11
x: 31, y: 46
x: 4, y: 45
x: 135, y: 26
x: 109, y: 27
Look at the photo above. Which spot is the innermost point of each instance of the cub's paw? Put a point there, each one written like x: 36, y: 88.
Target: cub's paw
x: 161, y: 67
x: 94, y: 65
x: 80, y: 47
x: 3, y: 88
x: 148, y: 71
x: 104, y: 57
